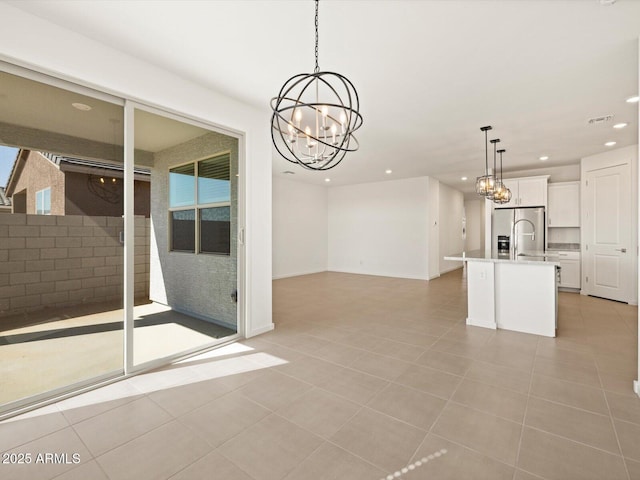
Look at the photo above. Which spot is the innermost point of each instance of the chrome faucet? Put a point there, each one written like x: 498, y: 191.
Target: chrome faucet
x: 514, y: 239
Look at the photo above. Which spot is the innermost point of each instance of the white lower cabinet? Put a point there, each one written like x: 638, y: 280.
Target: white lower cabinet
x: 569, y: 269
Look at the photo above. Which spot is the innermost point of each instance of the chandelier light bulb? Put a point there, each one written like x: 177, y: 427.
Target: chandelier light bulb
x: 334, y: 130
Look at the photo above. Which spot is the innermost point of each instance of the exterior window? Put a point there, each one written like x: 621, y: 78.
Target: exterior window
x: 43, y: 202
x: 200, y: 206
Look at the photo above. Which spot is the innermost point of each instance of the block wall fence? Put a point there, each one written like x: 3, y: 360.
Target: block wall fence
x: 55, y: 261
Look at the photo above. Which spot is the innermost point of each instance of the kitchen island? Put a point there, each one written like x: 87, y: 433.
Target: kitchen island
x: 510, y: 293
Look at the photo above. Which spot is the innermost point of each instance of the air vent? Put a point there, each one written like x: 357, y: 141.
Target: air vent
x: 289, y: 172
x: 600, y: 120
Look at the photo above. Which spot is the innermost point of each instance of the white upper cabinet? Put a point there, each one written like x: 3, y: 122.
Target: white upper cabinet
x: 564, y: 204
x: 526, y: 192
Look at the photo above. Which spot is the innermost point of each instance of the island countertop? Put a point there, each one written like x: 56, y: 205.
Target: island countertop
x: 531, y: 258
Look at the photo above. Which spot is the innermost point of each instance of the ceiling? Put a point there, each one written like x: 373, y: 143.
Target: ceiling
x: 429, y: 73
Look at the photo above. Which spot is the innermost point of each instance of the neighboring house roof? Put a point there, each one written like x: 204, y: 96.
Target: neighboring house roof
x: 4, y: 201
x: 62, y: 161
x: 71, y: 164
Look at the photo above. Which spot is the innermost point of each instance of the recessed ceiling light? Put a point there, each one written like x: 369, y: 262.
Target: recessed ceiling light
x: 81, y: 106
x: 620, y: 125
x: 544, y: 158
x: 388, y: 171
x: 633, y: 99
x: 327, y: 179
x: 609, y: 144
x: 289, y: 172
x: 463, y: 178
x: 607, y: 2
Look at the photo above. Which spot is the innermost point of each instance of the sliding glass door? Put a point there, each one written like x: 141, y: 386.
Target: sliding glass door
x: 61, y: 253
x: 118, y: 237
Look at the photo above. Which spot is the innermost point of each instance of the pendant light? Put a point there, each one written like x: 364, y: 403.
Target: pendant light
x: 503, y: 193
x: 485, y: 183
x: 314, y: 117
x: 490, y: 193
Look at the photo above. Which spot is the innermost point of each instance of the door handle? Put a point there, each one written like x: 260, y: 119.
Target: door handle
x: 623, y: 250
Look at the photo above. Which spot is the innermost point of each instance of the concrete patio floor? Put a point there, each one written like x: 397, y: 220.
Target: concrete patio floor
x: 55, y: 348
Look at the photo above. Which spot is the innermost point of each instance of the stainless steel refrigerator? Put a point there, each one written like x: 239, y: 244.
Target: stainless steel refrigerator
x: 501, y: 224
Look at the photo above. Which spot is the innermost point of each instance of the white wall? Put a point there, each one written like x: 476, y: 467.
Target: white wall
x: 300, y: 234
x: 380, y: 228
x: 49, y: 48
x: 451, y: 211
x: 474, y: 214
x: 434, y: 227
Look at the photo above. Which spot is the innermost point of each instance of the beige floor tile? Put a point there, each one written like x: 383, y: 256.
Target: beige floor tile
x: 401, y: 351
x: 500, y: 376
x: 634, y: 469
x: 454, y: 463
x: 485, y: 433
x: 274, y: 390
x: 568, y: 393
x: 120, y: 425
x: 85, y: 470
x: 338, y: 354
x: 516, y: 357
x: 330, y: 462
x: 180, y: 400
x: 152, y: 456
x: 213, y: 465
x: 353, y: 385
x: 497, y: 401
x: 587, y: 375
x: 308, y: 369
x: 90, y: 404
x: 624, y: 407
x: 579, y: 425
x: 379, y: 439
x: 379, y: 365
x: 270, y: 449
x: 621, y: 384
x: 224, y: 418
x: 629, y: 436
x: 409, y: 405
x: 457, y: 348
x: 429, y: 380
x: 319, y: 411
x: 64, y: 442
x: 446, y: 362
x: 30, y: 426
x: 522, y: 475
x: 568, y: 356
x: 557, y: 458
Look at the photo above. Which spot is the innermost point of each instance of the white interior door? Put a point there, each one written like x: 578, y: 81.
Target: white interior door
x: 608, y: 249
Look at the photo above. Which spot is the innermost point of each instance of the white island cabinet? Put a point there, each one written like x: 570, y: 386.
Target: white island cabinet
x: 513, y: 294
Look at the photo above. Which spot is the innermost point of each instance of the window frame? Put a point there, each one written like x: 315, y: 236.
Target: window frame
x: 38, y: 210
x: 197, y: 207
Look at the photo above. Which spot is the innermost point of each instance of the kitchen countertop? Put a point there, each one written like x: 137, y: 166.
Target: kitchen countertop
x: 530, y: 258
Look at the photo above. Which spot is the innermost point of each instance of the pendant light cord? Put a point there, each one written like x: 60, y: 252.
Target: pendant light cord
x: 486, y: 154
x: 317, y: 69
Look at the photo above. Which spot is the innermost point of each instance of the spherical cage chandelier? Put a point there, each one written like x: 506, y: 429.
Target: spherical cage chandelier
x: 315, y: 116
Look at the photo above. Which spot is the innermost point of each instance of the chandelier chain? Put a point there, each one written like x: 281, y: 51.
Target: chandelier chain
x: 317, y: 69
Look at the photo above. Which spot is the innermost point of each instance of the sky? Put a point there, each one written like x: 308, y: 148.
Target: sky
x: 7, y: 156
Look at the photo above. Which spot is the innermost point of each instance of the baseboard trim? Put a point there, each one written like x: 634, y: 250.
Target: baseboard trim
x: 476, y: 323
x: 297, y: 274
x: 260, y: 331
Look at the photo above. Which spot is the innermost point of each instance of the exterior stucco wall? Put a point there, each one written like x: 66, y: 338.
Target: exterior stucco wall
x: 200, y: 284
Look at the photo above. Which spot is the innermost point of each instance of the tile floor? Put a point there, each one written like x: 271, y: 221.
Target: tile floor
x: 364, y: 378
